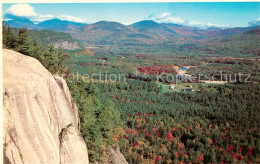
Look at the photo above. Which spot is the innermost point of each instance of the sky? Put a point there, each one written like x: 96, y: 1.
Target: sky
x: 202, y: 15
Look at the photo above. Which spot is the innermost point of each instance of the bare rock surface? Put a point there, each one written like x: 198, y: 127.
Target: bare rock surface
x: 116, y: 156
x: 66, y: 45
x: 38, y: 111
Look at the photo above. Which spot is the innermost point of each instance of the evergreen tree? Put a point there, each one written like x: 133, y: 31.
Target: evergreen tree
x: 23, y: 44
x: 51, y: 59
x: 9, y: 40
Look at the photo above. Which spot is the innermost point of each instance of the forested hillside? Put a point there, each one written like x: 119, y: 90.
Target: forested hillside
x: 215, y: 127
x: 241, y: 45
x: 214, y: 123
x: 46, y: 37
x: 59, y: 39
x: 53, y: 59
x: 147, y: 37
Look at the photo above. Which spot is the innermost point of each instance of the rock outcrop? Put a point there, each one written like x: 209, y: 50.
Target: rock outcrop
x: 66, y: 45
x: 41, y: 123
x: 116, y: 156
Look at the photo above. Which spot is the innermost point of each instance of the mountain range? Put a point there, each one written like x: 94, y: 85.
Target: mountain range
x: 143, y: 33
x: 144, y: 29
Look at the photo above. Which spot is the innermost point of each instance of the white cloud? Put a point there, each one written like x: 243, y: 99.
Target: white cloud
x: 127, y: 22
x: 22, y: 10
x: 168, y: 18
x: 254, y: 22
x: 173, y: 20
x: 207, y: 25
x: 27, y: 11
x: 71, y: 18
x: 217, y: 25
x: 164, y: 15
x: 195, y: 23
x: 41, y: 18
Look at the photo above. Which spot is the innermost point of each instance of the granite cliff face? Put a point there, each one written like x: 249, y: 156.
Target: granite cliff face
x: 116, y: 156
x: 41, y: 123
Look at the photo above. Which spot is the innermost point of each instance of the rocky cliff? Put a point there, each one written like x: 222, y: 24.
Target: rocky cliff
x: 116, y: 156
x: 41, y: 123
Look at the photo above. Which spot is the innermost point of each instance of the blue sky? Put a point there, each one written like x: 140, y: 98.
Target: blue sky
x: 233, y: 14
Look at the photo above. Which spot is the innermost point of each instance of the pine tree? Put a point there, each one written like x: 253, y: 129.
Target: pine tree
x: 51, y: 59
x: 9, y: 40
x: 23, y: 45
x: 62, y: 59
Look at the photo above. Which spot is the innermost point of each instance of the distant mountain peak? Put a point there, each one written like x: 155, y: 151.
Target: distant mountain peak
x: 106, y: 22
x: 146, y: 22
x: 60, y: 25
x: 108, y: 26
x: 21, y: 23
x: 24, y: 20
x: 56, y: 20
x: 214, y: 28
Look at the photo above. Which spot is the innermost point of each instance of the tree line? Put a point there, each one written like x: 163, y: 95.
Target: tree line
x: 52, y: 59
